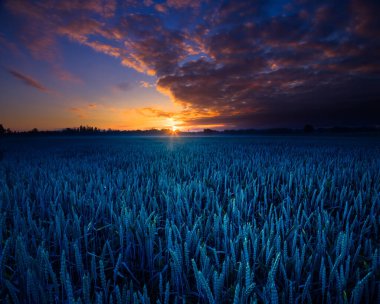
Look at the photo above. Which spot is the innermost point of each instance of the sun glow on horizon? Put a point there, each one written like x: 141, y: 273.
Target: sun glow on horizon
x: 173, y: 125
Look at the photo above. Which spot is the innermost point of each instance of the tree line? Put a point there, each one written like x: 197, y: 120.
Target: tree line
x: 89, y: 130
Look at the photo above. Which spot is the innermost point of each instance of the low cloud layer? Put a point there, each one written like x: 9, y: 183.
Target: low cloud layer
x: 237, y: 64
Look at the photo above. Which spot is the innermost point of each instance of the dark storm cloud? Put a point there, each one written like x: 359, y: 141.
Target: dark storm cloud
x: 328, y: 108
x: 251, y: 64
x: 308, y: 64
x: 149, y: 45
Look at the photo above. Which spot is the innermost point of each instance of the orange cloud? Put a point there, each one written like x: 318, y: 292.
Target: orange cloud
x: 79, y: 29
x: 104, y: 48
x: 145, y: 84
x: 152, y: 112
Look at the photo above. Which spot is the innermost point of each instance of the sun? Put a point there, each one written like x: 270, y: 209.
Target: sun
x: 174, y: 130
x: 173, y: 126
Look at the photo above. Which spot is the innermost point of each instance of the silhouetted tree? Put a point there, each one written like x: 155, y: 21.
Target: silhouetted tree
x: 308, y: 128
x: 2, y: 132
x: 209, y: 131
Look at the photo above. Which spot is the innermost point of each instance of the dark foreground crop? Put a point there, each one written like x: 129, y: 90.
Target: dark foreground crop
x: 190, y: 220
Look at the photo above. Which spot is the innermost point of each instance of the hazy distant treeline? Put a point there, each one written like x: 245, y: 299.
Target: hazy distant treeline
x: 89, y: 130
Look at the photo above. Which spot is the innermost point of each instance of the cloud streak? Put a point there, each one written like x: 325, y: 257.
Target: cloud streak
x: 29, y: 81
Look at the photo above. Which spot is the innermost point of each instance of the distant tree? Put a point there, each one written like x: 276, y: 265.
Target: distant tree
x: 209, y: 131
x: 308, y: 128
x: 166, y: 131
x: 2, y: 130
x: 34, y: 130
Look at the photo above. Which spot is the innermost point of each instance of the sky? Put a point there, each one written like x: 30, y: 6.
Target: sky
x: 189, y: 64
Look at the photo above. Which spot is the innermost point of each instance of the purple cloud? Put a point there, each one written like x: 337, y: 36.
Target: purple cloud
x: 28, y: 80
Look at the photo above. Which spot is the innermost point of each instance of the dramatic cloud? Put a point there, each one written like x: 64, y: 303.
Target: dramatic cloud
x: 28, y: 80
x: 231, y: 63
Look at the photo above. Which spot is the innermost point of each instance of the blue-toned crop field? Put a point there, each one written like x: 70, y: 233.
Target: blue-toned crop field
x: 190, y: 220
